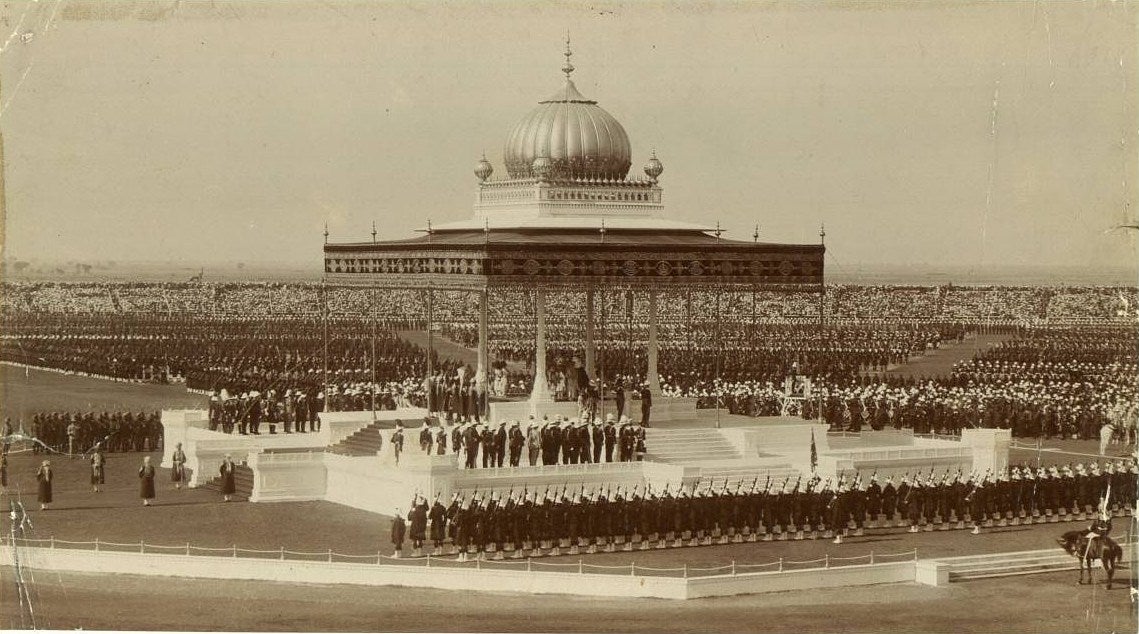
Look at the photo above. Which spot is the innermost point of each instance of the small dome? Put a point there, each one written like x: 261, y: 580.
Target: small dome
x: 483, y: 169
x: 578, y: 137
x: 654, y: 168
x: 541, y: 167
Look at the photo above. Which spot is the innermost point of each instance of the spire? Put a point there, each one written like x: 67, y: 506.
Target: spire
x: 568, y: 68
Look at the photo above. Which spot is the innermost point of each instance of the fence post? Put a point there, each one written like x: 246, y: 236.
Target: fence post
x: 96, y: 544
x: 685, y: 571
x: 580, y: 567
x: 235, y: 551
x: 872, y: 557
x: 53, y: 542
x: 826, y: 560
x: 528, y: 559
x: 329, y: 555
x: 379, y: 555
x: 187, y: 549
x: 478, y: 562
x: 632, y: 569
x: 141, y: 547
x: 282, y: 553
x: 780, y: 564
x: 428, y: 560
x: 733, y: 567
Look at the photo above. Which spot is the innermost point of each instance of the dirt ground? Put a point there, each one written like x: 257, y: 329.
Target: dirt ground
x: 25, y: 391
x: 199, y: 517
x: 1037, y: 604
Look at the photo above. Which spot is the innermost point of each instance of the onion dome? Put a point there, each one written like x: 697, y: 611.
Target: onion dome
x: 483, y: 169
x: 654, y: 168
x: 581, y: 140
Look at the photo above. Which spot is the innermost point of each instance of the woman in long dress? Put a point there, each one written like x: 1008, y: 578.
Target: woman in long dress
x: 44, y: 476
x: 146, y: 481
x: 228, y: 485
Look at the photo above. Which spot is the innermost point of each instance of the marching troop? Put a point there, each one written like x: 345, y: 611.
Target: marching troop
x: 556, y: 519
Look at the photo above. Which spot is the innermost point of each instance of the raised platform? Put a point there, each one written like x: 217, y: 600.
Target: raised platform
x: 352, y: 461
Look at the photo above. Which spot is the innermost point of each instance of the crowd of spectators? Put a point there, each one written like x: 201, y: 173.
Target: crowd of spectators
x: 947, y: 303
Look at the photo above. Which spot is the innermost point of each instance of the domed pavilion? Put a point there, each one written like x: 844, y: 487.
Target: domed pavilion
x: 568, y: 216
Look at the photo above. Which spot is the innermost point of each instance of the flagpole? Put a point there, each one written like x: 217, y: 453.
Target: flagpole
x: 373, y: 311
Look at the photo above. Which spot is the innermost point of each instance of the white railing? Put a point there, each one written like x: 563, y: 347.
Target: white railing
x: 731, y: 568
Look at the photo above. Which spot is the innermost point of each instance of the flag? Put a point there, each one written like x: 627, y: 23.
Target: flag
x: 814, y: 453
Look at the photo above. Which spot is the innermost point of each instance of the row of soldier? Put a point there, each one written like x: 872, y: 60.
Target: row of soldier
x: 545, y: 522
x: 74, y: 432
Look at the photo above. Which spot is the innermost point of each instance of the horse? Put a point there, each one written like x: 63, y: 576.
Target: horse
x: 1075, y: 543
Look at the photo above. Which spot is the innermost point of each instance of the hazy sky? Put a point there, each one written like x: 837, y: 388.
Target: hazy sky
x: 213, y: 132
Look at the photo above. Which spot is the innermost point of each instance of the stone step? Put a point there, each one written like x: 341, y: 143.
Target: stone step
x: 242, y: 482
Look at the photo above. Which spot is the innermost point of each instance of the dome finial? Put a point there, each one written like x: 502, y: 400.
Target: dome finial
x: 568, y: 68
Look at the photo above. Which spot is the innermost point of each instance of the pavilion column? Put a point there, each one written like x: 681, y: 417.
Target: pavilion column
x: 481, y: 370
x: 541, y: 391
x: 653, y: 377
x: 590, y: 343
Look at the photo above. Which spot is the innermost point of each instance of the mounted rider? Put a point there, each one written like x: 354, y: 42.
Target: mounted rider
x: 1100, y: 527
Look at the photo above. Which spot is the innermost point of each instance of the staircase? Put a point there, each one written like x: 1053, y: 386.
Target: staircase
x: 688, y: 446
x: 242, y: 480
x: 1012, y: 564
x: 365, y: 442
x: 744, y: 472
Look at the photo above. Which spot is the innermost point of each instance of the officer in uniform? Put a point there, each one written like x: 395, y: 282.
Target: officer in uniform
x: 610, y: 434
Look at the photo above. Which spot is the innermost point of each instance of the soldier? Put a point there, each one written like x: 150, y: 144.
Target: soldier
x: 500, y: 441
x: 486, y: 445
x: 438, y: 517
x: 873, y: 501
x: 440, y: 441
x: 976, y: 500
x: 425, y: 438
x: 417, y: 518
x: 397, y: 441
x: 471, y: 441
x: 839, y: 513
x: 610, y: 434
x: 98, y: 465
x: 399, y: 529
x: 178, y: 460
x: 619, y: 398
x: 889, y: 502
x: 597, y: 438
x: 72, y: 432
x: 646, y: 404
x: 516, y: 440
x: 585, y: 442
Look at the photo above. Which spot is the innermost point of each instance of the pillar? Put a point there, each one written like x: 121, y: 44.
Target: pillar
x: 653, y: 377
x: 541, y: 391
x: 590, y: 344
x: 481, y: 370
